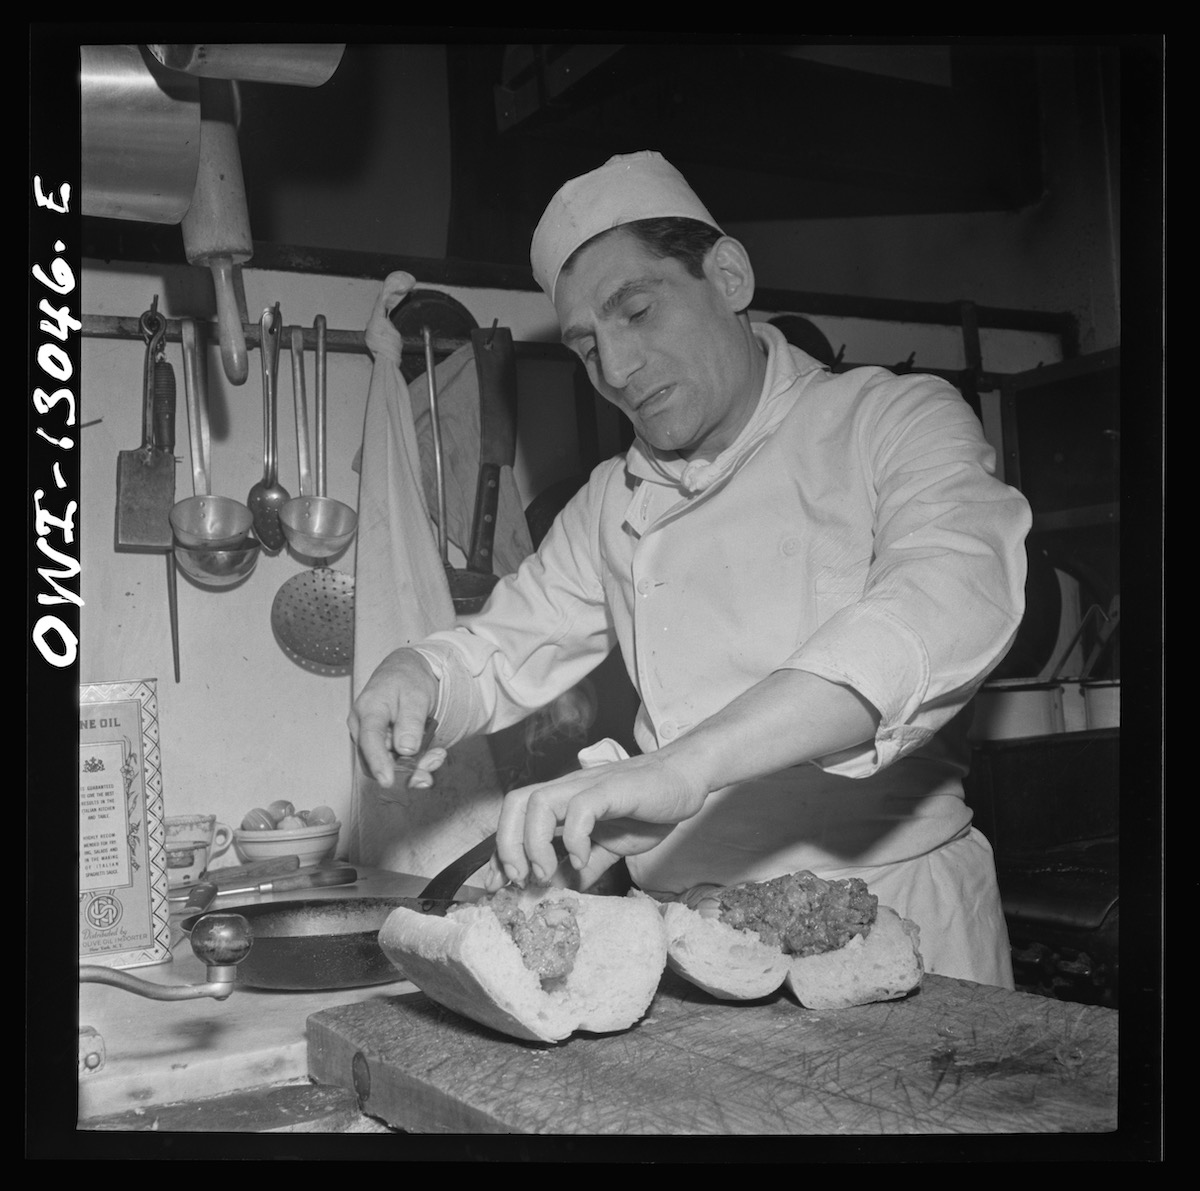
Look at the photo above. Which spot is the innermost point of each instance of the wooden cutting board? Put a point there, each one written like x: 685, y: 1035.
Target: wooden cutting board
x: 954, y: 1057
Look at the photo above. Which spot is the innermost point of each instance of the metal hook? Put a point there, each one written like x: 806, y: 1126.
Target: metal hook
x: 154, y: 329
x: 492, y: 333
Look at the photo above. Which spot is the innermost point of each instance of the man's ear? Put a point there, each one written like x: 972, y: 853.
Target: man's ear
x: 728, y: 268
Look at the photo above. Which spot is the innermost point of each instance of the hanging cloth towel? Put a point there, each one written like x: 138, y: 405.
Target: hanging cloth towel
x: 401, y: 595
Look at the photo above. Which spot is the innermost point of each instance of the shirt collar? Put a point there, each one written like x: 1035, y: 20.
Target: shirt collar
x: 785, y: 366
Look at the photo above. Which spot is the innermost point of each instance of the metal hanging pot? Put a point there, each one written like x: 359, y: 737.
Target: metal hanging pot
x: 139, y: 135
x: 306, y: 64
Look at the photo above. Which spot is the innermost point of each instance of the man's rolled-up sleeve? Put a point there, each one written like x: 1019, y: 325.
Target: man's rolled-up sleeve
x: 945, y: 589
x: 544, y: 629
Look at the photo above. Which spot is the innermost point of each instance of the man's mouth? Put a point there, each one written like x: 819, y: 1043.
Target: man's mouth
x: 647, y: 405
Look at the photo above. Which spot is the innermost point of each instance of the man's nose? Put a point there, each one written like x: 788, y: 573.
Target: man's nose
x: 620, y: 357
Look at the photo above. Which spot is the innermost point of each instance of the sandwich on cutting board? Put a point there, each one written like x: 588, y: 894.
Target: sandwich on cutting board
x: 537, y: 964
x: 543, y: 963
x: 829, y: 942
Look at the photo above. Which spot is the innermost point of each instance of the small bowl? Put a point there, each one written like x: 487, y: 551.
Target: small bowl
x: 311, y: 844
x: 215, y: 522
x: 217, y: 567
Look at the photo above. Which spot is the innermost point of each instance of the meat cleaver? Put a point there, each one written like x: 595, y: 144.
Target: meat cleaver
x: 146, y: 476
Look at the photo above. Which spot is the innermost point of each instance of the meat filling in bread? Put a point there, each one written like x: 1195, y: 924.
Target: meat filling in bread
x: 547, y: 935
x: 800, y: 913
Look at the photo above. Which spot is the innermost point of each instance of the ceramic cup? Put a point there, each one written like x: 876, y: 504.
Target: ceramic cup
x: 192, y: 842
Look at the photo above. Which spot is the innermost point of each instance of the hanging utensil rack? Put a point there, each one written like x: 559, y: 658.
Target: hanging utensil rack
x: 109, y: 326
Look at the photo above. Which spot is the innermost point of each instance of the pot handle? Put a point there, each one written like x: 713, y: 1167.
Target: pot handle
x: 450, y: 880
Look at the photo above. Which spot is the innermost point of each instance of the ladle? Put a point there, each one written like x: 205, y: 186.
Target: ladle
x: 313, y: 613
x: 204, y: 520
x: 268, y: 496
x: 213, y: 541
x: 219, y: 568
x: 316, y: 525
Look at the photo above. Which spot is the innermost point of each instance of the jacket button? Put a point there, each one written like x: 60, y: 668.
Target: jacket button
x: 644, y: 586
x: 790, y: 546
x: 668, y: 731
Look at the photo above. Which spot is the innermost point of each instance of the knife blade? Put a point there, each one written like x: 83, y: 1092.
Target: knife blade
x: 496, y: 369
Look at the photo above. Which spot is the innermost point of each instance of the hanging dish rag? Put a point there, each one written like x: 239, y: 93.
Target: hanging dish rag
x: 401, y: 595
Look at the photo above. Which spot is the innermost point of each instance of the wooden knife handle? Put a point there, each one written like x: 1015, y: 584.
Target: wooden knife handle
x: 262, y: 870
x: 315, y: 879
x: 163, y: 409
x: 483, y: 527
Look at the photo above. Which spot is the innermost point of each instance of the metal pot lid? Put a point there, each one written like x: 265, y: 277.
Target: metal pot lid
x: 446, y: 318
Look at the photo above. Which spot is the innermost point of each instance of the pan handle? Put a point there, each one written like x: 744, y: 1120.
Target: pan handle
x: 450, y: 880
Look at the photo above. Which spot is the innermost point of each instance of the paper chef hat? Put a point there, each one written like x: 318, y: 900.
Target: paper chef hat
x: 625, y: 188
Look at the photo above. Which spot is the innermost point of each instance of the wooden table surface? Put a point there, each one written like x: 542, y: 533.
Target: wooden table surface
x: 952, y: 1058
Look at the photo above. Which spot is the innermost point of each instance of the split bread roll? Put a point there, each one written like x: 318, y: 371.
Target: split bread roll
x: 883, y: 966
x: 734, y: 964
x: 469, y: 962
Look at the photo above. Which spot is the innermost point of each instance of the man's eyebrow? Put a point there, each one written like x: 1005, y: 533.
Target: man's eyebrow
x: 626, y: 290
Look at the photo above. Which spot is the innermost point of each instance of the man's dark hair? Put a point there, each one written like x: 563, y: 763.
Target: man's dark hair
x: 670, y: 238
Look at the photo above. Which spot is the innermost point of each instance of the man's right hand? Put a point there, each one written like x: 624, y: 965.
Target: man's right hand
x: 390, y: 714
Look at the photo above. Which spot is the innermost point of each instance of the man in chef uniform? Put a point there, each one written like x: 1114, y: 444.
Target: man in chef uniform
x: 809, y: 576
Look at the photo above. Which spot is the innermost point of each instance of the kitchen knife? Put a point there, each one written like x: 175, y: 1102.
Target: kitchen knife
x: 204, y: 893
x: 496, y: 369
x: 239, y: 874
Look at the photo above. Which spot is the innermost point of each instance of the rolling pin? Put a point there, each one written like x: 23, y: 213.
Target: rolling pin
x: 216, y: 228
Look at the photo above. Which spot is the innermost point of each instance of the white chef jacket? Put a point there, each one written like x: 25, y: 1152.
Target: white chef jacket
x: 855, y: 529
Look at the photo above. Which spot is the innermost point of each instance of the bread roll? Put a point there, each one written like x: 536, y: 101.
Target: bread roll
x: 733, y: 964
x: 883, y: 966
x: 468, y: 962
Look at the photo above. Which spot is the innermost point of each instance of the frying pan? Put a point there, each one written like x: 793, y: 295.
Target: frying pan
x: 311, y: 944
